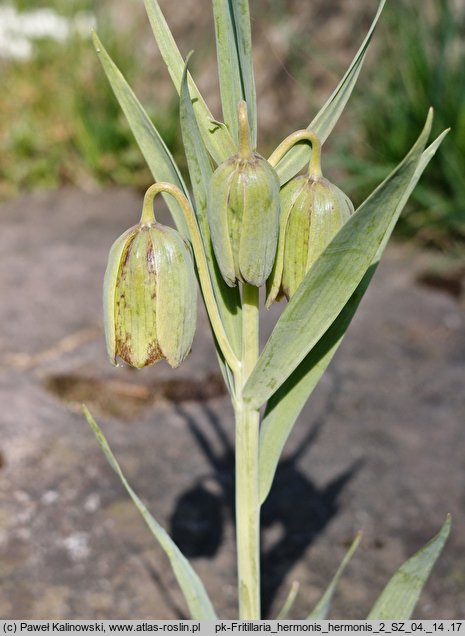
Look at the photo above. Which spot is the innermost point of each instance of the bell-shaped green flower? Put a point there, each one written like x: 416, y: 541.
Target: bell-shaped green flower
x: 243, y: 213
x: 313, y: 211
x: 316, y: 209
x: 150, y: 296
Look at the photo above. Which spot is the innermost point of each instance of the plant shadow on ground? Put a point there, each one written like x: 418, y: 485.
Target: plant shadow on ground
x: 297, y: 510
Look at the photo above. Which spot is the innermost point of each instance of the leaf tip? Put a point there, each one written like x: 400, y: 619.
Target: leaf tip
x: 429, y: 119
x: 185, y: 70
x: 358, y: 537
x: 428, y: 123
x: 89, y: 417
x: 96, y: 40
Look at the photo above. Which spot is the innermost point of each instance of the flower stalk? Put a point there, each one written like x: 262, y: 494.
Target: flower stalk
x: 201, y: 262
x: 314, y: 166
x: 245, y: 147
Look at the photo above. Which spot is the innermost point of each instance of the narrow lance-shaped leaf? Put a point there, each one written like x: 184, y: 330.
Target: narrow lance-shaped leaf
x: 289, y: 602
x: 234, y: 54
x: 330, y: 282
x: 228, y: 65
x: 198, y: 162
x: 200, y: 171
x: 284, y: 406
x: 199, y: 604
x: 216, y: 136
x: 329, y: 114
x: 321, y: 611
x: 158, y: 157
x: 241, y: 15
x: 398, y: 599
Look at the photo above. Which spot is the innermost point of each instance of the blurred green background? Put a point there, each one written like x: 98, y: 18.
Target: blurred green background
x: 60, y: 123
x: 421, y: 62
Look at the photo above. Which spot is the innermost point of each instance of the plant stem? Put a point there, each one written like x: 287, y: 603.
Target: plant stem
x: 247, y: 491
x: 245, y: 147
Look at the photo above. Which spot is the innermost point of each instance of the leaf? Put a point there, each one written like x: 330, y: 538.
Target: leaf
x: 289, y: 602
x: 324, y: 122
x: 194, y: 592
x: 198, y: 162
x: 200, y: 171
x: 241, y: 15
x: 398, y: 599
x: 156, y: 154
x: 234, y: 53
x: 228, y: 65
x: 321, y: 611
x: 331, y: 280
x: 286, y: 403
x: 216, y: 137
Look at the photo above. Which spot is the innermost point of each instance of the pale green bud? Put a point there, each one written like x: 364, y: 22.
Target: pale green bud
x: 243, y: 213
x: 150, y: 297
x: 316, y: 210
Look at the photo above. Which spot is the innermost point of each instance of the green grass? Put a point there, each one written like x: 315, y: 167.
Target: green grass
x: 420, y: 62
x: 60, y: 121
x: 63, y: 7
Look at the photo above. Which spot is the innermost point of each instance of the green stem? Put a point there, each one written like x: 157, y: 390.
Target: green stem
x: 201, y: 261
x: 314, y: 167
x: 247, y: 490
x: 245, y: 147
x: 148, y: 215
